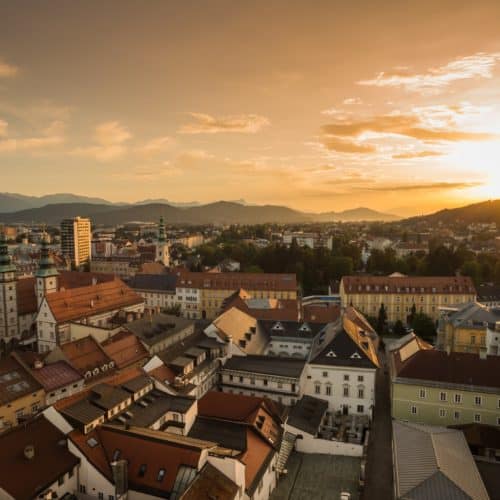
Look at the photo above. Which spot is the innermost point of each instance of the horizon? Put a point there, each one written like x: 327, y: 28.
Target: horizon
x: 330, y: 103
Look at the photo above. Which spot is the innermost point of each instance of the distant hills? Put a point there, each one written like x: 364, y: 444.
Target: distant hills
x: 486, y: 211
x: 103, y: 212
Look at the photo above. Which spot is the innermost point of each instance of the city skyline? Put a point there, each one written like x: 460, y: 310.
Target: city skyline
x: 320, y: 107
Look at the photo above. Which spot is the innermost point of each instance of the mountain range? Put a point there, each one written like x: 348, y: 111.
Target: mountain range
x: 51, y: 209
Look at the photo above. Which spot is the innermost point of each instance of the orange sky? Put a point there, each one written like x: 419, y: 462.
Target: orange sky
x: 319, y: 105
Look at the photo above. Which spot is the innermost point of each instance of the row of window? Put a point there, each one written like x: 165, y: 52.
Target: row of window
x: 265, y: 382
x: 443, y: 413
x: 457, y: 398
x: 345, y: 391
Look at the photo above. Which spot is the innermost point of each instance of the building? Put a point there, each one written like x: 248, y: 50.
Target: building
x: 400, y: 294
x: 469, y: 327
x: 9, y: 324
x: 162, y: 252
x: 279, y: 379
x: 438, y: 388
x: 123, y: 266
x: 201, y: 295
x: 36, y: 463
x: 342, y: 368
x: 489, y: 295
x: 311, y: 240
x: 433, y: 462
x: 21, y: 395
x: 97, y: 305
x: 157, y: 290
x: 76, y: 240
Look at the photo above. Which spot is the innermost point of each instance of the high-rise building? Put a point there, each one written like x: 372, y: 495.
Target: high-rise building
x: 76, y: 239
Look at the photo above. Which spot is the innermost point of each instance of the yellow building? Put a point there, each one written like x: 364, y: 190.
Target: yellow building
x: 201, y: 295
x: 21, y: 396
x: 465, y: 328
x: 400, y: 293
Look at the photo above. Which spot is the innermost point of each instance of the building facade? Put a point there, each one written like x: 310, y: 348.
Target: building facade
x: 76, y: 240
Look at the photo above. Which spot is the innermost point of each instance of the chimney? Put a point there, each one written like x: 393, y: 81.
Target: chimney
x: 38, y: 364
x: 29, y: 452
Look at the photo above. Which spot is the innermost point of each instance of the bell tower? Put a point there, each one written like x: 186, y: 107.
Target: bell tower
x: 162, y: 253
x: 9, y: 321
x: 46, y: 274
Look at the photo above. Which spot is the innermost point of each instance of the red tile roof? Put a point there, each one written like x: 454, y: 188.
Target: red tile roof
x: 125, y: 349
x: 15, y: 381
x: 321, y: 314
x: 56, y: 375
x: 24, y: 478
x: 85, y: 354
x: 91, y: 300
x: 408, y: 284
x: 163, y: 373
x: 234, y: 281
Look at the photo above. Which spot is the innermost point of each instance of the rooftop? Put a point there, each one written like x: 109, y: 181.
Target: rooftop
x: 15, y: 381
x: 307, y: 414
x: 24, y: 478
x: 56, y: 375
x: 156, y: 282
x: 211, y: 484
x: 267, y: 365
x: 125, y: 349
x: 85, y: 354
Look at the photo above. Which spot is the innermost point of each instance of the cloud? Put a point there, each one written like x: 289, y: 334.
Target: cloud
x: 207, y: 124
x: 432, y: 186
x: 416, y: 154
x: 407, y: 125
x: 435, y: 79
x: 51, y: 136
x: 110, y: 138
x: 155, y: 146
x: 347, y: 146
x: 8, y: 70
x: 3, y: 128
x: 351, y: 101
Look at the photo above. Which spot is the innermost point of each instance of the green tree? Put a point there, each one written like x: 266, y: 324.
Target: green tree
x: 382, y: 320
x: 424, y: 326
x: 398, y: 328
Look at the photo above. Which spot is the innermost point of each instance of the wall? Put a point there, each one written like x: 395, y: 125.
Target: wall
x: 310, y: 444
x: 64, y: 392
x: 25, y: 403
x: 233, y: 469
x: 404, y: 396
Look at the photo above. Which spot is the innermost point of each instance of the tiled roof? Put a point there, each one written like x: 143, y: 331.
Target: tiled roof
x: 307, y: 414
x: 209, y: 484
x: 434, y: 462
x: 83, y: 412
x: 155, y: 282
x: 480, y: 435
x: 108, y: 396
x: 231, y: 435
x: 295, y: 329
x: 408, y: 284
x: 24, y: 478
x: 15, y: 381
x: 320, y: 313
x: 91, y: 300
x: 235, y: 281
x: 455, y: 368
x: 163, y: 373
x: 56, y: 375
x: 85, y: 354
x: 124, y: 349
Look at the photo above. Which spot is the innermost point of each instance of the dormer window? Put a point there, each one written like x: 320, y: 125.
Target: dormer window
x: 331, y: 354
x: 355, y: 356
x: 278, y: 327
x: 161, y: 475
x: 142, y: 470
x: 116, y: 455
x: 305, y: 328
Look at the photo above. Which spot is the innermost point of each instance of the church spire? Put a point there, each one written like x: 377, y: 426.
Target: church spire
x: 46, y: 267
x: 161, y: 231
x: 6, y: 265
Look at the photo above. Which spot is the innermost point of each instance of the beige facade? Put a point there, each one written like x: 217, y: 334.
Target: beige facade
x: 399, y: 295
x: 76, y: 237
x: 12, y: 412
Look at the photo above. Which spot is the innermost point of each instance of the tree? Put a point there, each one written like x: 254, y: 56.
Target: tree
x: 424, y: 326
x: 473, y: 269
x: 382, y: 320
x: 411, y: 316
x: 398, y: 328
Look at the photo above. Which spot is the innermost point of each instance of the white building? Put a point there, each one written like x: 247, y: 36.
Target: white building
x: 76, y: 237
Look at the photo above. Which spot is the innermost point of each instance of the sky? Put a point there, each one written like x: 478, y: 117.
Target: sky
x: 318, y: 105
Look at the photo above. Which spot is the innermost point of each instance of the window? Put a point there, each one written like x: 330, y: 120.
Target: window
x: 361, y: 378
x: 231, y: 378
x: 456, y: 415
x: 346, y: 378
x: 60, y: 481
x: 280, y: 385
x: 265, y: 382
x: 498, y: 420
x: 360, y: 408
x: 325, y: 374
x: 346, y: 391
x: 478, y: 401
x: 241, y: 379
x: 317, y: 388
x: 328, y: 390
x: 161, y: 475
x: 142, y: 470
x: 472, y: 339
x: 111, y: 497
x: 116, y: 455
x: 83, y: 489
x: 413, y: 410
x: 442, y: 396
x: 458, y: 398
x: 293, y: 387
x: 442, y: 413
x: 422, y: 393
x: 252, y: 381
x: 477, y: 417
x: 361, y: 393
x: 100, y: 495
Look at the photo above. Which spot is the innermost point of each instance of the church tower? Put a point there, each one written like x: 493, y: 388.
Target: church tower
x: 46, y: 274
x: 9, y: 328
x: 162, y: 253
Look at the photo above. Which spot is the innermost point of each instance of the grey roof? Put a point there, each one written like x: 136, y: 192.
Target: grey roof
x: 307, y: 414
x: 137, y: 383
x: 292, y: 329
x: 158, y: 327
x: 267, y: 365
x: 154, y: 282
x: 108, y: 396
x: 342, y: 350
x: 83, y: 412
x: 194, y: 352
x: 434, y: 462
x: 232, y: 435
x: 475, y: 315
x: 158, y: 403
